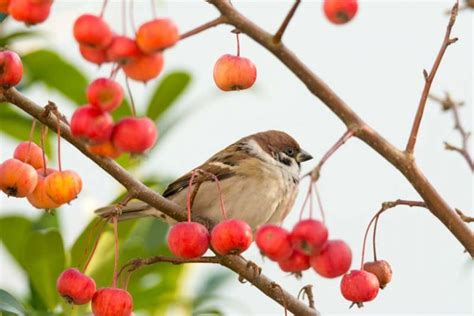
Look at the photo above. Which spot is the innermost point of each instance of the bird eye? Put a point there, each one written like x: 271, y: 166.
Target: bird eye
x: 290, y: 152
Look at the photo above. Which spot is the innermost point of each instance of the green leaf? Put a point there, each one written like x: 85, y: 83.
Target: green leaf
x: 9, y: 304
x: 44, y: 260
x: 14, y: 231
x: 48, y: 67
x: 45, y: 221
x: 7, y: 39
x: 18, y: 126
x: 167, y: 92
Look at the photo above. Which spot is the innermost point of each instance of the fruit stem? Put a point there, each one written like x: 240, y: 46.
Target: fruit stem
x: 374, y: 237
x: 320, y: 202
x: 308, y: 197
x: 116, y: 261
x: 102, y: 10
x: 153, y: 9
x: 58, y: 121
x: 219, y: 189
x: 96, y: 242
x: 188, y: 195
x: 114, y: 71
x: 238, y: 43
x: 44, y: 132
x: 132, y: 103
x: 365, y: 238
x: 30, y: 140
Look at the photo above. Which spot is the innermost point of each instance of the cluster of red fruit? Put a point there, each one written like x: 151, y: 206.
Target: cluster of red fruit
x: 359, y: 286
x: 340, y: 11
x: 26, y: 175
x: 27, y: 11
x: 140, y: 58
x: 77, y: 288
x: 306, y: 246
x: 191, y: 240
x: 94, y: 124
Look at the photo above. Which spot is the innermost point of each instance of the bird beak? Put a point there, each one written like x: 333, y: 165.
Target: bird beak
x: 303, y: 156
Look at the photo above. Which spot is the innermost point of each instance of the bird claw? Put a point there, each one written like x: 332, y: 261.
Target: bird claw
x: 256, y: 271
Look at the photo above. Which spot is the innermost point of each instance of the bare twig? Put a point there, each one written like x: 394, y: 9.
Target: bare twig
x: 135, y: 264
x: 286, y: 21
x: 467, y: 219
x: 399, y: 159
x: 316, y: 172
x: 429, y: 80
x: 203, y: 27
x: 448, y: 104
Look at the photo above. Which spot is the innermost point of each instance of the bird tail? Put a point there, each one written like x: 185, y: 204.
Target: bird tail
x: 134, y: 209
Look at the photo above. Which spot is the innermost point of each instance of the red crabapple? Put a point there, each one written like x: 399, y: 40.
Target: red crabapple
x: 340, y: 11
x: 17, y: 178
x: 75, y: 287
x: 309, y: 236
x: 11, y: 69
x: 381, y: 269
x: 231, y: 236
x: 359, y: 286
x: 334, y: 259
x: 134, y: 134
x: 112, y: 302
x: 92, y: 31
x: 274, y: 242
x: 92, y: 124
x: 104, y: 94
x: 234, y: 73
x: 156, y: 35
x: 188, y: 240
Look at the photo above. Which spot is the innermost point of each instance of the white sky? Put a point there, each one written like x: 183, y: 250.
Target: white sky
x: 374, y: 63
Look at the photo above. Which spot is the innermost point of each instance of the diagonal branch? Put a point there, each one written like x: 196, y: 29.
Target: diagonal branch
x: 399, y: 159
x: 235, y: 263
x: 429, y: 80
x: 286, y: 21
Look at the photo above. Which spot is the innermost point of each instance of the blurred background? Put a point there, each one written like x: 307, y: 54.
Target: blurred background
x: 374, y: 63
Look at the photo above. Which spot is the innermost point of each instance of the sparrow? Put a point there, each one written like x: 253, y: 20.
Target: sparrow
x: 258, y: 175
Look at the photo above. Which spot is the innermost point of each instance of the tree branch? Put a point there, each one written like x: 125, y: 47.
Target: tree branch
x: 235, y: 263
x: 429, y: 80
x: 399, y: 159
x: 286, y: 21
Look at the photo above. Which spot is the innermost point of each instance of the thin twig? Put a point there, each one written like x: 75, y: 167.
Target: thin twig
x: 135, y: 264
x: 279, y: 34
x: 448, y: 104
x: 467, y: 219
x: 203, y: 27
x: 316, y: 172
x: 429, y: 80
